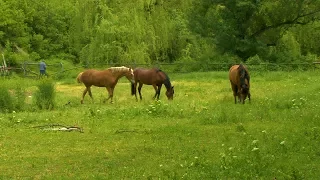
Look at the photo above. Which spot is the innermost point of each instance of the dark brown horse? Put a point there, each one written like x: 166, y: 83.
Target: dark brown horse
x: 154, y: 77
x: 240, y: 82
x: 106, y: 78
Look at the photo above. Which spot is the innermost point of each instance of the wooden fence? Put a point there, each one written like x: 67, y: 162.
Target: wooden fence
x: 31, y: 69
x: 191, y: 67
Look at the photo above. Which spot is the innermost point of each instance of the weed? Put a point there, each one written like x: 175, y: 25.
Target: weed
x: 45, y: 95
x: 157, y: 108
x: 6, y: 101
x: 20, y: 97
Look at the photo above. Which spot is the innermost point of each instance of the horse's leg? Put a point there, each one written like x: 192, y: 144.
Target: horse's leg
x: 159, y: 90
x: 110, y: 91
x: 90, y: 94
x: 235, y: 92
x: 83, y: 94
x: 155, y: 89
x: 135, y: 90
x: 242, y: 98
x: 139, y: 90
x: 249, y: 96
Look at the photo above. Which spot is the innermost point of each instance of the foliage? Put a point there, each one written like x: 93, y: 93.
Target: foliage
x: 6, y: 101
x: 288, y: 49
x: 246, y: 27
x: 254, y: 60
x: 12, y: 96
x: 19, y: 97
x: 45, y: 95
x: 153, y: 31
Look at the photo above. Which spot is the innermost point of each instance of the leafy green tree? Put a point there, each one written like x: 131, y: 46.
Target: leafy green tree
x: 154, y: 31
x: 288, y: 49
x: 249, y: 27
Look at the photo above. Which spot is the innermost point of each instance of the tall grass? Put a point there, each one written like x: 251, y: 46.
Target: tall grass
x: 20, y: 97
x: 12, y: 96
x: 45, y: 95
x: 6, y: 102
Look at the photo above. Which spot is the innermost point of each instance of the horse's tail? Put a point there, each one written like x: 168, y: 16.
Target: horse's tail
x: 133, y: 89
x: 79, y: 77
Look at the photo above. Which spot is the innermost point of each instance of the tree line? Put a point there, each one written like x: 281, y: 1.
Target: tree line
x: 149, y: 31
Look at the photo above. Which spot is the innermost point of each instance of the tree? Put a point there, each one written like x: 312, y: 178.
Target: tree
x: 248, y: 27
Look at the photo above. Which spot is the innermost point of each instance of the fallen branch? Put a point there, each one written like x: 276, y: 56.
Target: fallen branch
x: 125, y: 130
x: 58, y: 127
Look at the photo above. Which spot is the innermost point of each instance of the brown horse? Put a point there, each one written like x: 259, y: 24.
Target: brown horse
x: 240, y: 82
x: 154, y: 77
x: 106, y: 78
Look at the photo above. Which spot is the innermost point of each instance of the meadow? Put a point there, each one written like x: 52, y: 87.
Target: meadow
x: 201, y: 134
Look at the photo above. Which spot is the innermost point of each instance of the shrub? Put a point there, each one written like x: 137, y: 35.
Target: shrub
x: 19, y: 98
x: 45, y: 95
x: 6, y: 102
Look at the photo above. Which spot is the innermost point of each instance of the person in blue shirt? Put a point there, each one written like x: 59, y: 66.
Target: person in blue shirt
x: 43, y: 68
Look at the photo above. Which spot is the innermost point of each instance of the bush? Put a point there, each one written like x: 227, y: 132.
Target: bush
x: 6, y: 102
x: 19, y: 98
x: 254, y: 60
x: 45, y: 95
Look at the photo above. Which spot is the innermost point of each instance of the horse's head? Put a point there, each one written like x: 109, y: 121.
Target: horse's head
x: 170, y: 93
x: 244, y: 91
x: 129, y: 75
x: 242, y: 73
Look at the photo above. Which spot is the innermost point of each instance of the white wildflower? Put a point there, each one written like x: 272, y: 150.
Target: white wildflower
x: 255, y: 141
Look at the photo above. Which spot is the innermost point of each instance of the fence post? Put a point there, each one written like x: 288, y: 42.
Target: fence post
x: 24, y: 69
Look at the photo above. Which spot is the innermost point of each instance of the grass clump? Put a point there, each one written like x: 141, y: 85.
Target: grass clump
x: 19, y: 98
x: 12, y: 98
x: 45, y: 95
x: 6, y: 101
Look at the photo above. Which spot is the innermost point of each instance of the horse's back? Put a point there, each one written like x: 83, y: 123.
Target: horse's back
x: 233, y: 74
x: 148, y: 76
x: 87, y: 74
x: 95, y: 77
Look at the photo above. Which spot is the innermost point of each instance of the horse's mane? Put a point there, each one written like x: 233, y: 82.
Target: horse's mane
x: 118, y: 69
x: 166, y: 82
x: 243, y: 74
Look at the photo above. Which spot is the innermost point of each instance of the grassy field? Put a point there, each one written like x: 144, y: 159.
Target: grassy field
x: 201, y: 134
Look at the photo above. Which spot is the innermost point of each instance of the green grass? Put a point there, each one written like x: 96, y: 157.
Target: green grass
x: 201, y: 134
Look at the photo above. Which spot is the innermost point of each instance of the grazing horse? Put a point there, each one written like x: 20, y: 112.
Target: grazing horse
x: 240, y: 82
x: 154, y: 77
x: 105, y: 78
